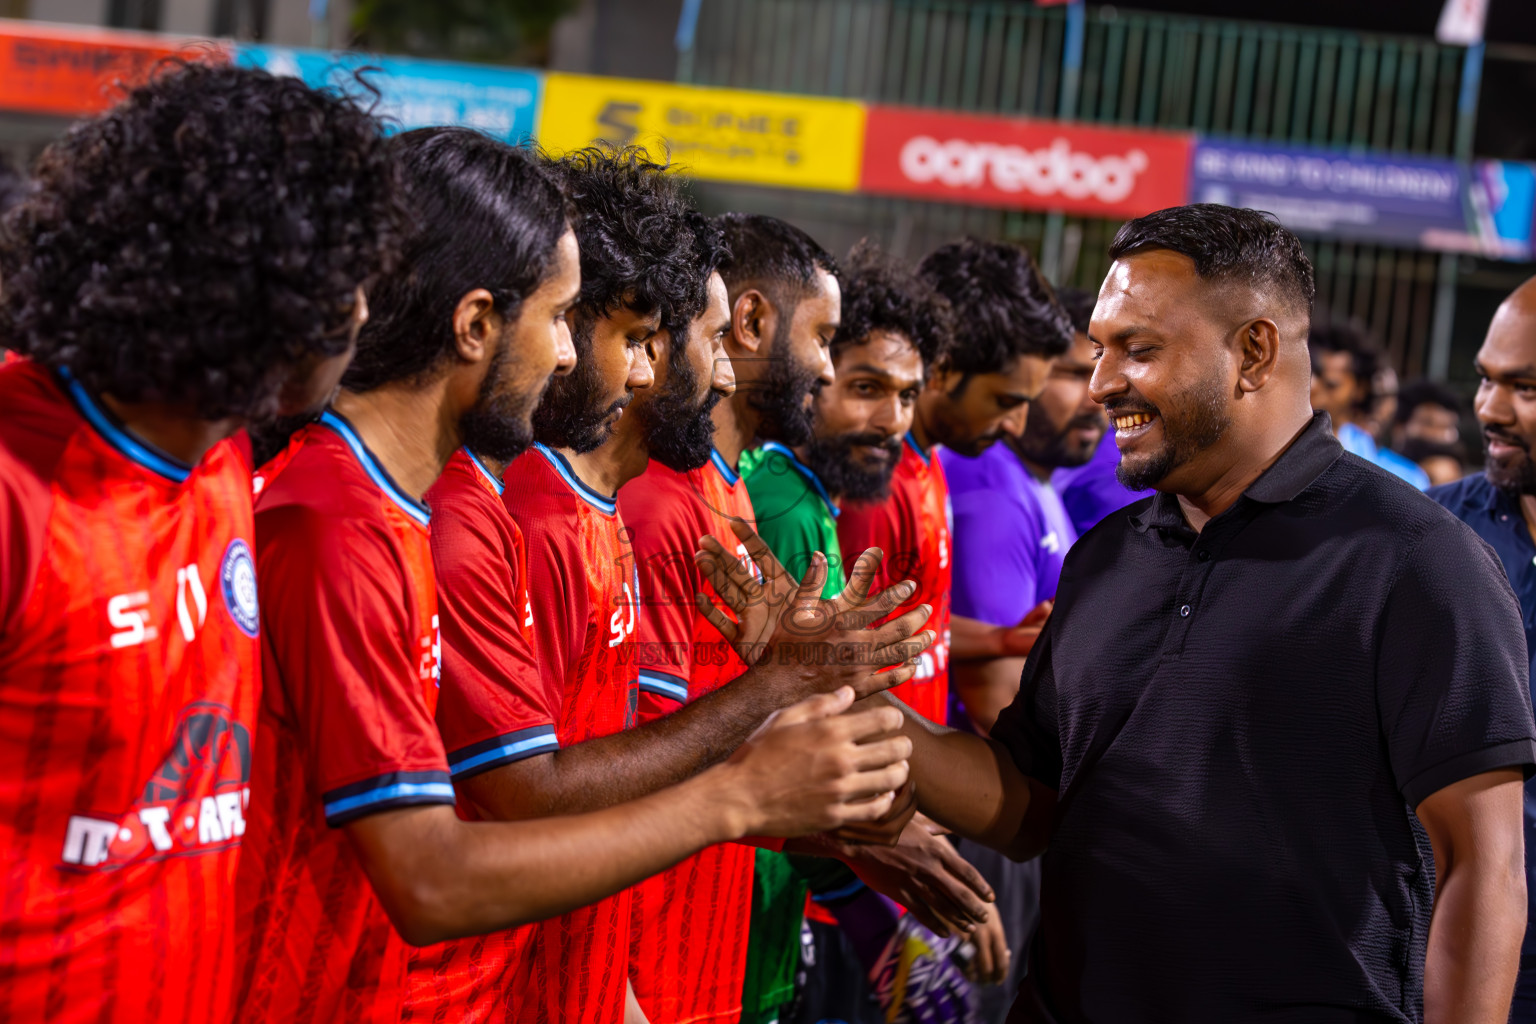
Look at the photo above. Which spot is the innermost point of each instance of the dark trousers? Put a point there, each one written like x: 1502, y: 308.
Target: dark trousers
x: 1018, y: 904
x: 1524, y: 1011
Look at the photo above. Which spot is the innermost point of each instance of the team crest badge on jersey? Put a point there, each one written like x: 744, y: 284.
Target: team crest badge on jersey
x: 237, y: 576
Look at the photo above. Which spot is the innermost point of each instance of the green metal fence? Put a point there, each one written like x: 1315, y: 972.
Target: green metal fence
x: 1224, y: 78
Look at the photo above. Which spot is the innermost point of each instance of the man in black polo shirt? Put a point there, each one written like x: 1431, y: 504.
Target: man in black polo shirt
x: 1275, y: 701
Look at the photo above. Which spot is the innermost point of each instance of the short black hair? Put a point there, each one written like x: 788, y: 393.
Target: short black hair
x: 636, y: 250
x: 881, y: 293
x: 484, y: 215
x: 1425, y: 392
x: 1228, y: 244
x: 200, y: 239
x: 771, y: 254
x: 1353, y: 340
x: 1003, y: 307
x: 1079, y: 303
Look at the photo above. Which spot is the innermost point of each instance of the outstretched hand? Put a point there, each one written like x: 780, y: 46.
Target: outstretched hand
x: 811, y: 768
x: 925, y: 874
x: 818, y: 644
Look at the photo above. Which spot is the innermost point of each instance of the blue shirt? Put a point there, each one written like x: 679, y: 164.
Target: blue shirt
x: 1494, y: 515
x: 1357, y: 442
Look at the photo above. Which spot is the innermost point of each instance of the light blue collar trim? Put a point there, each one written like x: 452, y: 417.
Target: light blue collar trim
x: 912, y: 443
x: 805, y: 471
x: 365, y: 458
x: 104, y: 423
x: 724, y: 467
x: 607, y: 506
x: 490, y: 477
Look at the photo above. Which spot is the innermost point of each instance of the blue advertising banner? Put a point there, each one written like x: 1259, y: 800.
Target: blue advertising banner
x: 502, y: 102
x: 1369, y: 198
x: 1423, y: 202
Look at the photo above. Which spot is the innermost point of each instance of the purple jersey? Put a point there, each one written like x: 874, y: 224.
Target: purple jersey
x: 1090, y: 492
x: 1011, y: 535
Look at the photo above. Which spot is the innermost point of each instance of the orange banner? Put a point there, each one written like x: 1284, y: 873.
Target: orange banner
x: 75, y: 72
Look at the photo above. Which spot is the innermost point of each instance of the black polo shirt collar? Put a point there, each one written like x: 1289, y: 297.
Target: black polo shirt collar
x: 1307, y: 458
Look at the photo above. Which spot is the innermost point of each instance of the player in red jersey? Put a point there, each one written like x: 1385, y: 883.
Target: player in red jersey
x: 364, y: 836
x: 689, y: 933
x: 1008, y: 328
x: 556, y: 741
x: 161, y: 303
x: 784, y: 299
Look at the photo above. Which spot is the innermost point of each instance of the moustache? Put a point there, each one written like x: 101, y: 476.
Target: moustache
x: 888, y: 445
x: 1491, y: 434
x: 1126, y: 407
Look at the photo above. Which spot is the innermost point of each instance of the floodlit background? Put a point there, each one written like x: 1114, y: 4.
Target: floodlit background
x: 1400, y: 156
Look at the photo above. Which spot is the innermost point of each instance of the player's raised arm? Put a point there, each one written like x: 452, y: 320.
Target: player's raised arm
x: 809, y: 769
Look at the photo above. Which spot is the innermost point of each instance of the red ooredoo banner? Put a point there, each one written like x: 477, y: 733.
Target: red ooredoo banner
x: 1043, y: 165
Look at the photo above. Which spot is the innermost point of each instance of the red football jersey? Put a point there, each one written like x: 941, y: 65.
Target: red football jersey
x: 484, y: 713
x: 350, y: 666
x: 912, y: 527
x: 689, y: 945
x: 586, y: 609
x: 128, y: 685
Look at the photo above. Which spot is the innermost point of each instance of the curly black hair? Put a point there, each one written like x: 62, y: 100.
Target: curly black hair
x: 200, y: 239
x: 632, y: 228
x: 484, y: 215
x: 1002, y: 306
x: 1079, y: 303
x: 1226, y: 243
x: 880, y: 292
x: 709, y: 253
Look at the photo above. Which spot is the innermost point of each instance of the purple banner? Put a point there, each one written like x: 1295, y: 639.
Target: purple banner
x: 1396, y: 200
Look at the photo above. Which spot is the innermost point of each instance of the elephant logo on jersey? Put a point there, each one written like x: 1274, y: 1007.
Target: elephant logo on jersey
x: 193, y: 803
x: 237, y: 578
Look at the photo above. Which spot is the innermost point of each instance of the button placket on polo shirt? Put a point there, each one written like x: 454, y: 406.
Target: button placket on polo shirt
x: 1197, y: 573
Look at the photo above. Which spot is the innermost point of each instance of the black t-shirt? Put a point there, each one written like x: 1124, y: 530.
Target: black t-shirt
x: 1239, y: 724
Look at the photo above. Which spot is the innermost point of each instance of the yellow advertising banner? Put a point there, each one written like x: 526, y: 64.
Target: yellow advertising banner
x: 721, y: 134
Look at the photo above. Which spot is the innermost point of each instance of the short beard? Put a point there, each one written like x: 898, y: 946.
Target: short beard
x: 569, y: 415
x: 679, y: 431
x: 1043, y: 445
x: 1516, y: 478
x: 780, y: 397
x: 831, y: 459
x: 1200, y: 423
x: 499, y: 426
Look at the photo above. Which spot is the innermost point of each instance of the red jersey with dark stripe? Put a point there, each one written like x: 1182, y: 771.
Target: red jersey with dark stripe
x: 128, y: 683
x: 350, y: 665
x: 489, y: 710
x: 912, y: 527
x: 689, y: 935
x: 581, y: 577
